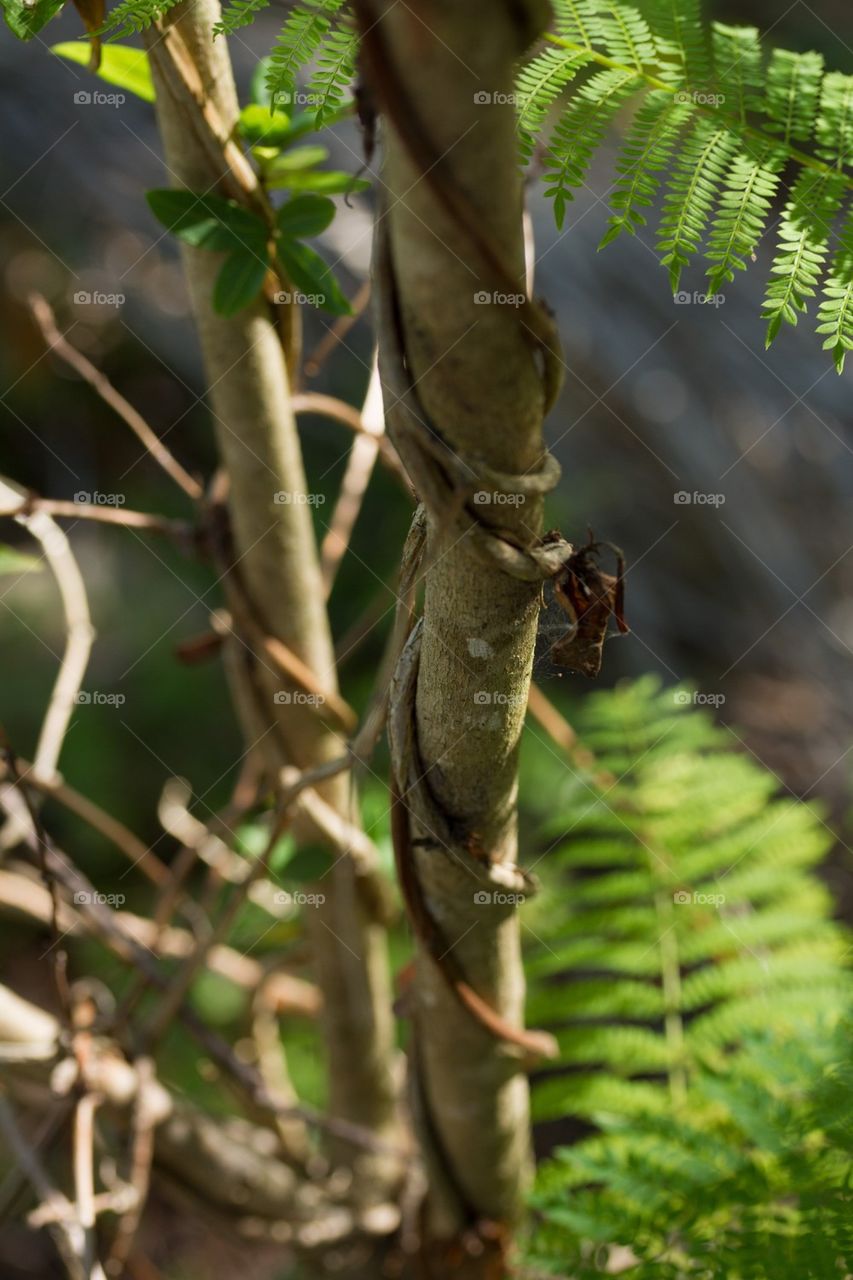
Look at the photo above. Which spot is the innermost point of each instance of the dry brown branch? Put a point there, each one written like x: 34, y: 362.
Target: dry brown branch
x: 287, y: 994
x: 121, y: 836
x: 78, y: 643
x: 100, y: 383
x: 181, y: 530
x: 339, y: 411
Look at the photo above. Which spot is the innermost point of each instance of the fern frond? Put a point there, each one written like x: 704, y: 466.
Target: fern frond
x: 576, y: 21
x: 239, y: 13
x: 301, y: 36
x: 698, y: 174
x: 750, y: 186
x: 578, y: 132
x: 134, y: 15
x: 539, y: 85
x: 834, y: 130
x: 335, y: 70
x: 793, y: 93
x: 737, y: 68
x: 681, y: 40
x: 803, y: 239
x: 647, y: 150
x: 835, y: 317
x: 625, y: 34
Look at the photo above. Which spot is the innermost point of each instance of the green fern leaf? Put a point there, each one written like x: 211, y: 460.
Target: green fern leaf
x: 681, y: 40
x: 737, y: 66
x: 579, y: 130
x: 335, y: 70
x: 134, y: 15
x: 239, y: 13
x: 835, y: 317
x: 803, y: 239
x: 647, y: 149
x: 576, y: 21
x: 793, y: 93
x: 306, y: 28
x: 539, y: 85
x: 692, y: 190
x: 834, y: 130
x: 626, y: 35
x: 750, y: 186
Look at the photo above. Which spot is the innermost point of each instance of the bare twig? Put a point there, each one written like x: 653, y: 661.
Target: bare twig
x: 339, y: 411
x: 100, y: 383
x: 181, y: 530
x: 78, y: 627
x: 359, y: 469
x: 64, y: 1229
x: 121, y: 836
x: 84, y: 1182
x: 141, y: 1157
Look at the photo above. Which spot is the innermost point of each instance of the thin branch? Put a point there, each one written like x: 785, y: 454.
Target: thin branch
x: 181, y: 530
x: 359, y: 469
x: 348, y: 416
x: 78, y: 628
x: 100, y: 383
x: 315, y: 359
x: 84, y: 1181
x: 141, y: 1158
x: 116, y: 832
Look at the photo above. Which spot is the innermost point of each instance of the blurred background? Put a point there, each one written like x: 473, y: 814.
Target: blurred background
x: 749, y: 596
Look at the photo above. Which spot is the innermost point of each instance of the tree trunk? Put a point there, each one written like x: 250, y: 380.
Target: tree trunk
x: 276, y: 557
x: 442, y: 73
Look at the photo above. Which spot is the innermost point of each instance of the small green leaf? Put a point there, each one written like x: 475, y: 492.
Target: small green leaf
x: 14, y: 561
x: 258, y: 124
x: 308, y: 271
x: 329, y: 182
x: 299, y: 158
x: 304, y: 216
x: 121, y: 65
x: 207, y: 222
x: 239, y: 282
x: 258, y: 91
x: 26, y: 20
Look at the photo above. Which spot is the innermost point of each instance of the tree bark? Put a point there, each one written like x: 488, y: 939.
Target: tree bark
x: 442, y: 73
x: 276, y: 557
